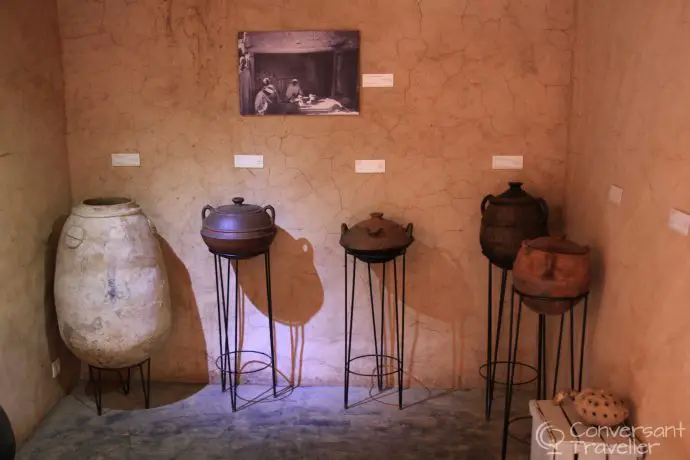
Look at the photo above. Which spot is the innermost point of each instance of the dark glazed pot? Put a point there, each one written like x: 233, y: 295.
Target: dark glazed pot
x: 552, y: 267
x: 376, y: 239
x: 8, y: 445
x: 239, y: 230
x: 507, y: 220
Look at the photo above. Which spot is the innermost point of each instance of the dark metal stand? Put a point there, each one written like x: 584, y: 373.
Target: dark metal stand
x: 379, y: 344
x: 542, y: 368
x: 492, y: 362
x: 229, y: 360
x: 96, y: 382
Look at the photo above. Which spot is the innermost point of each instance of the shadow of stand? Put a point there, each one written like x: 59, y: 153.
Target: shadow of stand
x: 255, y: 394
x: 428, y: 271
x: 389, y: 396
x: 297, y: 294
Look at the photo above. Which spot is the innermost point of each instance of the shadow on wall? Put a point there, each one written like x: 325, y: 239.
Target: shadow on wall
x: 429, y: 271
x: 183, y: 357
x: 69, y: 364
x: 297, y: 291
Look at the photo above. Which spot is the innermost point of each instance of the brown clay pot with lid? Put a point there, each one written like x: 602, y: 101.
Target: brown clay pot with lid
x: 552, y: 267
x: 507, y: 220
x: 239, y: 229
x: 376, y: 239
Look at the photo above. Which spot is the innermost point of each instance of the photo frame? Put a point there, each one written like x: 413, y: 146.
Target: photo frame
x: 308, y: 73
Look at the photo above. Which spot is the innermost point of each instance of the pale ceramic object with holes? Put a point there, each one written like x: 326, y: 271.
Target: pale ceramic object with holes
x: 111, y: 288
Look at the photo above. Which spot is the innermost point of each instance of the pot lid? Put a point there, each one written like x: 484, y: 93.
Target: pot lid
x: 376, y: 234
x: 556, y: 245
x: 238, y: 217
x: 238, y: 206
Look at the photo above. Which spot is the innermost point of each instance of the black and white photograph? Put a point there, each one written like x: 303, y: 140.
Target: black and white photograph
x: 299, y: 73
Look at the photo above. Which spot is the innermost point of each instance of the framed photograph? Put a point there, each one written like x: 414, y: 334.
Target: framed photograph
x: 299, y: 73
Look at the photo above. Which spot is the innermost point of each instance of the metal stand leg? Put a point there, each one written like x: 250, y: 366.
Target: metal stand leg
x: 582, y: 344
x: 125, y: 383
x: 97, y: 384
x: 572, y: 345
x: 234, y: 376
x: 383, y: 327
x: 229, y: 361
x: 558, y: 356
x: 542, y: 354
x: 402, y: 330
x: 382, y: 370
x: 145, y: 381
x: 270, y: 321
x: 489, y: 323
x: 379, y: 365
x: 348, y: 330
x: 220, y: 304
x: 512, y: 359
x: 398, y: 333
x: 493, y: 364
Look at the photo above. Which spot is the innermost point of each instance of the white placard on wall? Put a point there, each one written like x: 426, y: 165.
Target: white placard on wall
x: 378, y: 80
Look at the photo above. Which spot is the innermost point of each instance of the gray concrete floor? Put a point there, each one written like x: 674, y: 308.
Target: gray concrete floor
x: 196, y: 422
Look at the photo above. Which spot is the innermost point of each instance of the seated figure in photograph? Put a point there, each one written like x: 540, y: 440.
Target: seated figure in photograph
x: 294, y: 91
x: 266, y: 101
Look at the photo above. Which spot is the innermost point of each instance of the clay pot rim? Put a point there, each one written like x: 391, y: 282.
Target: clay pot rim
x: 555, y: 245
x: 106, y: 201
x: 106, y: 206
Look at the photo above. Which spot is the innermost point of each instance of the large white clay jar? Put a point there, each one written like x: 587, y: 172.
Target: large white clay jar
x: 111, y: 288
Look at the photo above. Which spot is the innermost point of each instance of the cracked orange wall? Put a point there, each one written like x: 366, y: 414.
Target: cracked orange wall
x: 473, y: 79
x: 34, y: 184
x: 630, y: 128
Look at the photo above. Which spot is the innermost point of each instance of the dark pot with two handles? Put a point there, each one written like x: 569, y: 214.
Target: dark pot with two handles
x: 509, y: 219
x: 376, y: 240
x: 238, y: 230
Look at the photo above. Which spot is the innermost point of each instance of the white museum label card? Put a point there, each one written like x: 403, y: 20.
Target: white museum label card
x: 370, y: 166
x: 125, y: 159
x: 378, y: 80
x: 679, y: 222
x: 249, y: 161
x: 507, y: 162
x: 615, y: 194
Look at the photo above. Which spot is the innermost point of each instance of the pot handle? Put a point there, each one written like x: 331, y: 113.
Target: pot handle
x: 152, y: 226
x: 409, y: 229
x: 272, y: 214
x: 206, y: 208
x: 485, y: 201
x: 544, y: 209
x: 74, y: 237
x: 343, y: 229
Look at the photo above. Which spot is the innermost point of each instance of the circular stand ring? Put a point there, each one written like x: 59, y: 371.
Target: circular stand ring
x: 482, y: 372
x: 381, y: 357
x: 220, y: 367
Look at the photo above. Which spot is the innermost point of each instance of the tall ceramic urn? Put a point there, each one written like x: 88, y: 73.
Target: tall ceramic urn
x: 111, y: 288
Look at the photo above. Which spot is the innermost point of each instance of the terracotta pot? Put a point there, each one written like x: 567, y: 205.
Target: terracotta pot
x: 552, y: 267
x: 376, y: 239
x: 507, y: 220
x: 239, y: 229
x: 8, y: 444
x: 111, y: 287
